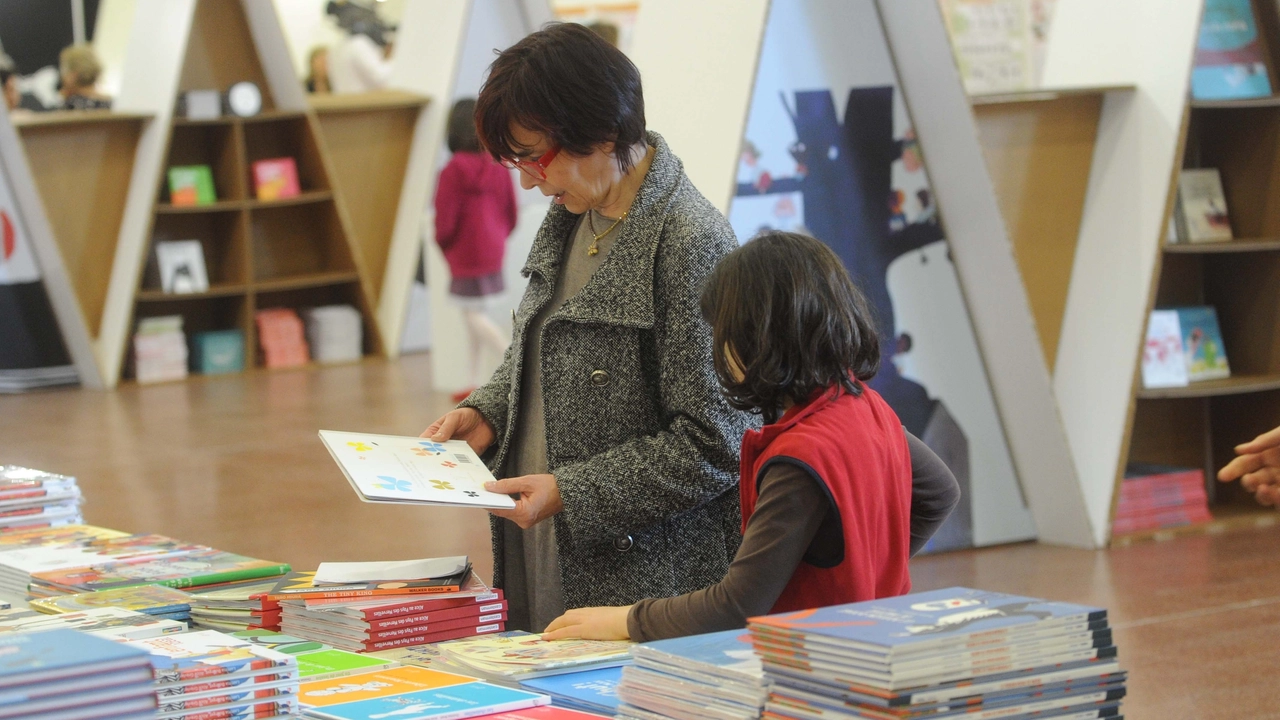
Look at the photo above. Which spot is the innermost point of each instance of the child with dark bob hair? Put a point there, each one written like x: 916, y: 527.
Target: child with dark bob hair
x: 829, y: 484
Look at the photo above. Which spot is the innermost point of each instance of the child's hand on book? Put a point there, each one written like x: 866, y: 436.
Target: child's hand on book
x: 537, y: 498
x: 594, y: 623
x: 462, y: 424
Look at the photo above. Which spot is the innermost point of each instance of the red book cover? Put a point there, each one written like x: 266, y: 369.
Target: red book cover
x: 465, y: 611
x: 276, y: 179
x: 371, y: 609
x: 357, y: 635
x: 424, y: 639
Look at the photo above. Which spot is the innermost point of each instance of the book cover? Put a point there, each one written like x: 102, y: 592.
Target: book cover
x: 398, y: 621
x: 392, y: 469
x: 1229, y: 61
x: 65, y: 535
x: 43, y: 558
x: 208, y: 653
x: 334, y: 663
x: 194, y: 569
x: 1202, y: 344
x: 591, y: 690
x: 343, y: 643
x: 106, y: 622
x: 451, y: 703
x: 1163, y: 364
x: 149, y: 599
x: 728, y: 653
x: 242, y: 710
x: 276, y: 179
x: 380, y: 684
x: 182, y: 268
x: 302, y: 585
x: 241, y: 594
x: 354, y: 634
x: 516, y: 653
x: 31, y: 658
x: 1203, y: 206
x: 191, y: 185
x: 473, y: 591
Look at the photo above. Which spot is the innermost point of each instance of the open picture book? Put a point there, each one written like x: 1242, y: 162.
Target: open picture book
x: 412, y: 470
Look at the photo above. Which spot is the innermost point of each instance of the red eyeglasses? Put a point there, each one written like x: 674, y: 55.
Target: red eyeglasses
x: 537, y: 169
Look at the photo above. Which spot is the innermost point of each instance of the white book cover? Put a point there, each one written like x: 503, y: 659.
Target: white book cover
x: 1163, y: 364
x: 1204, y: 206
x: 182, y: 266
x: 413, y: 470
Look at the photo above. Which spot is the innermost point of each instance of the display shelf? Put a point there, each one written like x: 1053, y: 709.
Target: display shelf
x: 215, y: 207
x: 217, y: 146
x: 222, y: 236
x: 299, y: 282
x: 1213, y: 388
x: 1044, y: 94
x: 214, y: 291
x: 298, y: 240
x: 306, y: 198
x: 288, y: 137
x: 1271, y: 101
x: 75, y: 117
x: 272, y: 115
x: 1233, y: 246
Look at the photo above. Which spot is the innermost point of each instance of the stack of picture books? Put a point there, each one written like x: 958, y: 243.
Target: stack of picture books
x: 68, y: 674
x: 111, y: 623
x: 716, y: 675
x: 234, y: 607
x: 280, y: 335
x: 34, y: 499
x: 1183, y: 345
x: 207, y: 675
x: 160, y: 349
x: 74, y: 548
x: 1160, y: 496
x: 192, y: 569
x: 413, y: 693
x: 358, y: 612
x: 154, y: 600
x: 334, y: 333
x: 591, y: 691
x: 948, y: 653
x: 516, y: 657
x: 317, y: 661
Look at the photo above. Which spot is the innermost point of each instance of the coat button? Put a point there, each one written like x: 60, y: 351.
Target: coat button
x: 599, y: 378
x: 623, y: 544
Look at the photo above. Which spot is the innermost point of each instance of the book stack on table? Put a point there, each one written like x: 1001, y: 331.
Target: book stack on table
x: 591, y: 691
x: 1159, y: 496
x: 952, y: 653
x: 154, y: 600
x: 206, y: 675
x: 111, y: 623
x: 70, y: 675
x: 443, y: 600
x: 234, y: 607
x: 32, y: 499
x: 77, y: 546
x: 198, y: 566
x: 716, y: 675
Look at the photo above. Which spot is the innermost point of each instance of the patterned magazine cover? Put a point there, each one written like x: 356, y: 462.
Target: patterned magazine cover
x: 921, y: 618
x: 380, y: 684
x: 459, y: 701
x: 516, y: 652
x: 193, y: 569
x: 107, y: 622
x: 150, y: 599
x: 388, y: 468
x: 208, y: 653
x: 31, y: 658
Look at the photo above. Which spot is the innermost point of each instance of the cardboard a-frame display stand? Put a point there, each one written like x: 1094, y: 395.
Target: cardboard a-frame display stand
x: 294, y: 252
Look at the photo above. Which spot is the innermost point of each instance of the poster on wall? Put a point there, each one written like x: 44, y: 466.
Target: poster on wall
x: 829, y: 150
x: 32, y: 354
x: 999, y: 45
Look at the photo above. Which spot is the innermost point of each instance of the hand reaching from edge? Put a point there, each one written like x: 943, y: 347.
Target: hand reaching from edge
x: 462, y: 424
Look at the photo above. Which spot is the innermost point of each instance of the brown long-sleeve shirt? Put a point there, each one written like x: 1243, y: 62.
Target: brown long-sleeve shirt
x: 794, y: 521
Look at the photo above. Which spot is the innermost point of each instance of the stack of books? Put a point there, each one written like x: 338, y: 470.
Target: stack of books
x: 160, y: 349
x: 16, y: 380
x: 334, y: 333
x: 206, y: 675
x: 107, y: 622
x: 590, y: 691
x: 516, y: 657
x: 317, y: 661
x: 1158, y: 496
x: 955, y: 652
x: 19, y: 565
x: 33, y: 499
x: 414, y: 693
x: 235, y: 607
x: 281, y: 337
x: 192, y: 569
x: 715, y: 675
x: 154, y: 600
x: 68, y: 674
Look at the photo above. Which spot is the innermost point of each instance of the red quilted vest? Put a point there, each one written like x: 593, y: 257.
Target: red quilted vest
x: 857, y: 447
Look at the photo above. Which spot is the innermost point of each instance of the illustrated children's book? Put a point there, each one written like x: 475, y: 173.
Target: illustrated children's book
x: 276, y: 179
x: 411, y: 470
x: 317, y: 661
x: 1163, y: 363
x: 107, y: 622
x: 1202, y: 344
x: 1202, y: 207
x: 450, y: 703
x: 519, y: 655
x: 35, y: 658
x: 1229, y: 60
x: 204, y: 567
x: 188, y: 657
x: 589, y: 690
x: 384, y: 683
x: 191, y: 185
x: 149, y: 599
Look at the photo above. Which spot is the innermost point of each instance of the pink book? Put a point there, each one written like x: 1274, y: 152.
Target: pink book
x: 276, y: 178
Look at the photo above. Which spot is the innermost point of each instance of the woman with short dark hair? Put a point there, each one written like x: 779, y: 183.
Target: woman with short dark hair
x: 605, y: 417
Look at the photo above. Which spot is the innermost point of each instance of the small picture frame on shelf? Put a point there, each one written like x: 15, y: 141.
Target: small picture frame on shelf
x: 276, y: 179
x: 182, y: 269
x: 201, y: 105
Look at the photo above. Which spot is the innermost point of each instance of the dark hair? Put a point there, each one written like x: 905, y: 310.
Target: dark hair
x: 462, y: 127
x: 784, y: 305
x: 567, y: 83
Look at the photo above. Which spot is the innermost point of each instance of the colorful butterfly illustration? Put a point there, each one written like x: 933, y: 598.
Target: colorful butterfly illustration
x: 360, y: 447
x: 441, y: 485
x: 449, y: 464
x: 390, y: 483
x: 431, y: 447
x: 421, y: 452
x: 472, y: 493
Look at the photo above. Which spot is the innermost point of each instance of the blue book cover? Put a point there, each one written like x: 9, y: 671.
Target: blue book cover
x: 27, y: 658
x: 451, y: 703
x: 595, y: 690
x: 924, y: 618
x: 729, y: 650
x: 1229, y: 62
x: 1202, y: 344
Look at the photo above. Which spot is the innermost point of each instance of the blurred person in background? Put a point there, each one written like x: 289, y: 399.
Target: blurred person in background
x: 80, y: 68
x: 318, y: 71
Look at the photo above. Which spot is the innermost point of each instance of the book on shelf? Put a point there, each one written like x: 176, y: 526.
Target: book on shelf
x: 412, y: 470
x: 276, y: 179
x: 281, y: 337
x: 1202, y: 344
x: 215, y: 352
x: 160, y: 349
x: 334, y: 333
x: 1202, y: 207
x: 65, y: 673
x: 182, y: 268
x: 1230, y: 60
x: 1163, y: 361
x: 109, y: 622
x: 1155, y: 497
x: 191, y: 185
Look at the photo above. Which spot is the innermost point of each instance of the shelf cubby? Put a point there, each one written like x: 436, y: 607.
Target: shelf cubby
x: 287, y: 136
x: 217, y: 146
x: 296, y: 240
x: 222, y: 235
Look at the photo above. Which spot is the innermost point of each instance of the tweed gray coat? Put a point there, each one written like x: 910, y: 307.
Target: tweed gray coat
x: 643, y: 447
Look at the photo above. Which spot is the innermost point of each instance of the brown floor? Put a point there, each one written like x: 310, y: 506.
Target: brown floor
x: 234, y: 462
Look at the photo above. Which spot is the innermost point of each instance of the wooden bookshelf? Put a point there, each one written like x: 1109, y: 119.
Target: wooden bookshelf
x: 292, y: 252
x: 1198, y: 425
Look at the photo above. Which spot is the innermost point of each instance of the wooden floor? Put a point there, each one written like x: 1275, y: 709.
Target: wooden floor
x: 235, y: 462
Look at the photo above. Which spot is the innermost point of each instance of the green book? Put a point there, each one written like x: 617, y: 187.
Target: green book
x: 204, y: 567
x: 191, y: 185
x: 316, y: 661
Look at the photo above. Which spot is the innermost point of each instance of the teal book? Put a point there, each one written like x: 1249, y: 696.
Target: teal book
x: 1202, y: 344
x: 1229, y: 62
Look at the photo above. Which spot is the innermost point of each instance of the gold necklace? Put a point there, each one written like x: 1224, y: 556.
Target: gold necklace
x: 595, y: 239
